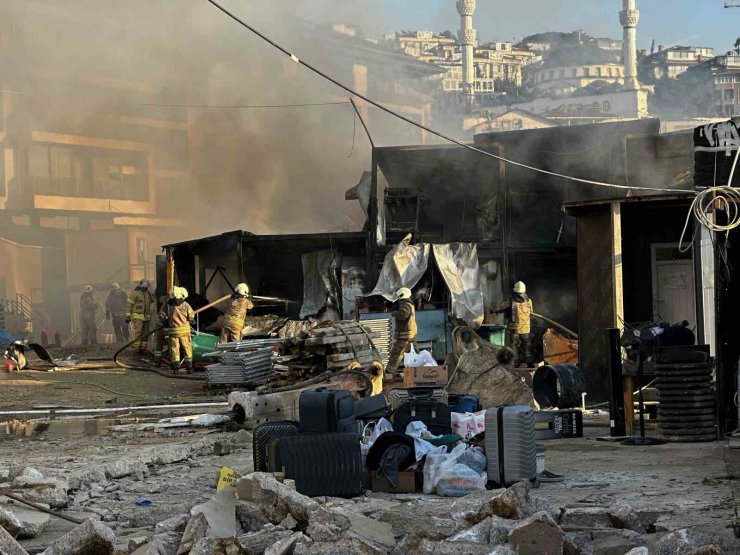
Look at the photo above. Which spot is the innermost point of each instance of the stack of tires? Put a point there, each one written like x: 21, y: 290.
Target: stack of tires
x: 687, y: 398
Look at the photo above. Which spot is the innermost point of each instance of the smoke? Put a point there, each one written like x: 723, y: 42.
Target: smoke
x: 266, y: 170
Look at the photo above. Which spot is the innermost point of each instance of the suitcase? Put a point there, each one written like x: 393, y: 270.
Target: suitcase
x: 323, y: 464
x: 322, y: 411
x: 557, y: 425
x: 398, y: 396
x: 372, y: 408
x: 262, y: 436
x: 434, y: 414
x: 511, y: 452
x: 464, y: 403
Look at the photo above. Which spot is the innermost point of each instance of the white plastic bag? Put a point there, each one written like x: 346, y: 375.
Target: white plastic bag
x: 369, y: 437
x: 468, y: 424
x: 475, y: 459
x: 460, y: 480
x: 412, y: 359
x: 437, y: 464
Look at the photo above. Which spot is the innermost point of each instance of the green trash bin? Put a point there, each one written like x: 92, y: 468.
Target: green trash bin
x: 494, y: 334
x: 203, y: 343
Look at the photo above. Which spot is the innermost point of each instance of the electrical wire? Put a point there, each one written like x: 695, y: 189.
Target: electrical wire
x: 439, y: 134
x: 166, y: 105
x: 718, y: 197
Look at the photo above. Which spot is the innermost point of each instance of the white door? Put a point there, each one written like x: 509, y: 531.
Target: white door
x: 674, y: 293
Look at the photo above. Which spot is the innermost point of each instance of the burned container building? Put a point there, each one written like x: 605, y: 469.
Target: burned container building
x: 449, y: 194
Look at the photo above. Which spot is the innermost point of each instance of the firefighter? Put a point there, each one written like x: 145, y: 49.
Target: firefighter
x: 159, y: 337
x: 519, y: 312
x: 177, y: 315
x: 140, y: 313
x: 405, y: 316
x: 88, y: 307
x: 115, y: 310
x: 240, y: 304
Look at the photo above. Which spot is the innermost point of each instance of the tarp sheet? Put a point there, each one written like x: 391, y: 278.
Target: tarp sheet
x: 317, y: 284
x: 458, y: 264
x: 404, y: 266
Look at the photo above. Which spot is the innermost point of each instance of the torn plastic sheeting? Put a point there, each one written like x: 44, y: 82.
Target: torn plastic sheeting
x: 404, y: 266
x: 458, y: 264
x: 316, y: 282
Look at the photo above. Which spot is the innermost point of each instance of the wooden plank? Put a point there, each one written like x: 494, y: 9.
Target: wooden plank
x: 629, y: 404
x: 348, y: 356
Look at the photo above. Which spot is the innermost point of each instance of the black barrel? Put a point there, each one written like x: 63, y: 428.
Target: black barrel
x: 558, y: 385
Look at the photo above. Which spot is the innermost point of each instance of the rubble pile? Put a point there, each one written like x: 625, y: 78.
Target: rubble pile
x: 263, y: 515
x: 331, y: 346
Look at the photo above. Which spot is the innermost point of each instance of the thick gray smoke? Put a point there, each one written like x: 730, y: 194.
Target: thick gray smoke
x: 266, y: 170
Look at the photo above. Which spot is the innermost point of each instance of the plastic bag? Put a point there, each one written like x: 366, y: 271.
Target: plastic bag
x: 412, y: 359
x: 468, y: 424
x: 369, y: 437
x: 475, y: 459
x: 437, y: 464
x: 460, y: 480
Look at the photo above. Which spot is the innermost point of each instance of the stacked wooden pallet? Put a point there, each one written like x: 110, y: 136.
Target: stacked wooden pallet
x: 330, y: 346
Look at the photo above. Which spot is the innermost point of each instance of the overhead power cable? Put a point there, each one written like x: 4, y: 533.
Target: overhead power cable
x: 439, y: 134
x: 166, y: 105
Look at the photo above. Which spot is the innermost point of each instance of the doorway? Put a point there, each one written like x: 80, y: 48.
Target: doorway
x: 674, y: 293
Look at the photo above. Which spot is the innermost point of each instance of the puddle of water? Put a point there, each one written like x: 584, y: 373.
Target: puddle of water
x: 64, y: 428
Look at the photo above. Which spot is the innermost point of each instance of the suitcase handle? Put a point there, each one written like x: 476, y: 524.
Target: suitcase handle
x: 420, y: 393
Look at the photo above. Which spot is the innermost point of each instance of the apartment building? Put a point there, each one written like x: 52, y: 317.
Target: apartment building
x: 671, y: 62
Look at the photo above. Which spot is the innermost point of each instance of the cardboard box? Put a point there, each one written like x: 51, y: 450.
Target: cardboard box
x: 406, y: 483
x: 425, y: 376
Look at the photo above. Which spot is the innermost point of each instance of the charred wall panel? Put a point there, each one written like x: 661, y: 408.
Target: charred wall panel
x: 596, y: 310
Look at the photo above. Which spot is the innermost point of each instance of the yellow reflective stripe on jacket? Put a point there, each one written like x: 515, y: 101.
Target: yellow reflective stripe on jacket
x: 179, y: 331
x: 137, y: 316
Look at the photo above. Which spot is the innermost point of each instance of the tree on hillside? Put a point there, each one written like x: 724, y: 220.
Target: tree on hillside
x: 737, y: 46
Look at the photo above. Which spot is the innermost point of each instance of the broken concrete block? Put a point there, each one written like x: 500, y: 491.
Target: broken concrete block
x: 49, y: 491
x: 258, y: 542
x: 610, y: 542
x: 136, y: 542
x: 586, y: 518
x: 707, y: 550
x: 623, y: 516
x: 289, y: 523
x: 195, y: 530
x: 220, y: 513
x: 251, y: 517
x: 638, y: 551
x: 176, y: 523
x: 217, y: 546
x: 121, y: 468
x: 89, y: 538
x: 537, y: 535
x: 374, y: 531
x: 512, y: 503
x: 31, y: 472
x: 85, y: 477
x: 679, y: 541
x: 221, y: 448
x: 430, y: 547
x: 275, y: 499
x: 343, y: 546
x: 167, y: 542
x: 286, y: 545
x: 8, y: 545
x: 10, y: 522
x: 242, y: 438
x: 32, y: 522
x: 479, y: 533
x: 421, y: 519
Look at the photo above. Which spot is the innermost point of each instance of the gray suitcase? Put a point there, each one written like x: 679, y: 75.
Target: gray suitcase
x: 396, y: 397
x: 510, y: 444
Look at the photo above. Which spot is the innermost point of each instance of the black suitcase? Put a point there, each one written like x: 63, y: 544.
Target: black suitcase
x: 434, y: 414
x: 261, y: 438
x: 321, y: 411
x: 372, y: 408
x: 323, y: 464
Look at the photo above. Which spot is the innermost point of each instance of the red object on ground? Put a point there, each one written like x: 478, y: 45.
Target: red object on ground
x: 8, y: 366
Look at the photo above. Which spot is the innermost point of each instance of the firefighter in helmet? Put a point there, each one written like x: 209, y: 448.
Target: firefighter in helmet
x: 240, y: 304
x: 518, y: 311
x: 177, y: 315
x: 405, y: 316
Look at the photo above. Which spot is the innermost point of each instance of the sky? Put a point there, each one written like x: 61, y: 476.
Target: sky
x: 669, y: 22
